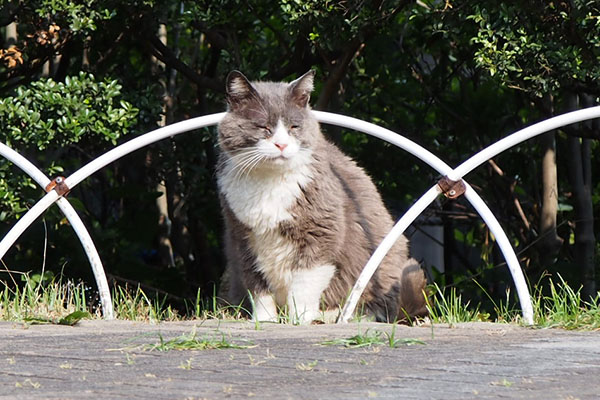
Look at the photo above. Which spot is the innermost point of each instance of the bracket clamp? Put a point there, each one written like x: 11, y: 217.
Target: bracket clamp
x: 452, y: 189
x: 58, y: 184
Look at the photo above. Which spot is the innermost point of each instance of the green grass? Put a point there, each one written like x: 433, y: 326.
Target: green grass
x: 193, y: 342
x: 373, y: 337
x: 213, y: 309
x: 135, y: 305
x: 447, y: 306
x: 36, y: 299
x: 564, y: 308
x: 42, y: 299
x: 555, y: 305
x: 46, y: 299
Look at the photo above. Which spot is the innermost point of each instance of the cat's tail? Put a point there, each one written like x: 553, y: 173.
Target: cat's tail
x: 412, y: 301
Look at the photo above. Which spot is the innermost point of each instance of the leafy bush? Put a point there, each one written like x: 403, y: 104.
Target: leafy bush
x: 49, y: 113
x: 51, y: 116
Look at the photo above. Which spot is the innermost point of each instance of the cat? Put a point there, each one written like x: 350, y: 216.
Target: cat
x: 301, y: 218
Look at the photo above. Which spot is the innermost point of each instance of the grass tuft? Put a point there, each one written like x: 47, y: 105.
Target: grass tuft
x: 373, y: 338
x: 215, y: 308
x: 135, y: 305
x: 565, y: 308
x: 555, y: 305
x: 43, y: 299
x: 448, y: 307
x: 193, y: 342
x: 47, y: 299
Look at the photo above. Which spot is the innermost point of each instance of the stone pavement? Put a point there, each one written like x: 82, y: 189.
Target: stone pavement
x: 111, y: 360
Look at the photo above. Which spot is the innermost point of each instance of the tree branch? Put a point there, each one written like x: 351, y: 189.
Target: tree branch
x: 352, y: 50
x: 213, y: 36
x: 166, y: 55
x: 280, y: 39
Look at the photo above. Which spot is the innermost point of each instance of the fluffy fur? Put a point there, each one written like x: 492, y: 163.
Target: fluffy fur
x: 301, y: 218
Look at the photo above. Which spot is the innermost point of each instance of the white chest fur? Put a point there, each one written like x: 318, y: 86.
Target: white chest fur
x: 275, y: 256
x: 262, y: 199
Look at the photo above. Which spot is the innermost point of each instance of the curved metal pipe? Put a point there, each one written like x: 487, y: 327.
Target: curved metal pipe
x: 415, y: 210
x: 352, y: 123
x: 486, y: 214
x: 51, y: 197
x: 80, y: 230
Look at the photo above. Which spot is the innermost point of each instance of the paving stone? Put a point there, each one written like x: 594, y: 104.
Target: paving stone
x: 110, y: 359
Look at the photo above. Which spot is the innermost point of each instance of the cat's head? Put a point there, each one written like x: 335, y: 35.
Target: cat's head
x: 268, y: 123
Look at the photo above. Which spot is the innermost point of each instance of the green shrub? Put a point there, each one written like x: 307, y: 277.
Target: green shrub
x: 45, y: 118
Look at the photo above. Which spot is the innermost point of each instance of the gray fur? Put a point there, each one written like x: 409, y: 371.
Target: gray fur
x: 338, y: 219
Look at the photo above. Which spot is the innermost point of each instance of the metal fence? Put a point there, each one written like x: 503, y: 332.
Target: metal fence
x: 452, y: 185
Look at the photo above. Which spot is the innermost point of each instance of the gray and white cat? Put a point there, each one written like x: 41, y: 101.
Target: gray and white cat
x: 301, y: 218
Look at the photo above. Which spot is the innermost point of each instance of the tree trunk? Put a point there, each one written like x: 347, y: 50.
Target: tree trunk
x: 165, y: 248
x: 550, y: 242
x: 179, y: 235
x: 580, y: 175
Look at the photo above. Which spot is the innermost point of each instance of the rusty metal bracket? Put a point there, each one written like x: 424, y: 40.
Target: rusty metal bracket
x: 452, y: 189
x: 58, y: 184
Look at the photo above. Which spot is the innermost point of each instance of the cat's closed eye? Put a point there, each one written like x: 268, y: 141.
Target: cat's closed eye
x: 265, y: 129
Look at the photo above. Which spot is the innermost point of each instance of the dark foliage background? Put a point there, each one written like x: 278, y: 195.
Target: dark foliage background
x: 80, y: 76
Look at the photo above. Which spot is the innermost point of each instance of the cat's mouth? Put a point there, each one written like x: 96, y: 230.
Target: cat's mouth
x: 279, y: 159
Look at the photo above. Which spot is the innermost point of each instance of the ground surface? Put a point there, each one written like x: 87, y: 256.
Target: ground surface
x: 101, y: 359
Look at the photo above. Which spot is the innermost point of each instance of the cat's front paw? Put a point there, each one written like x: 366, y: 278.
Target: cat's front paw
x: 265, y: 309
x: 264, y: 318
x: 305, y: 318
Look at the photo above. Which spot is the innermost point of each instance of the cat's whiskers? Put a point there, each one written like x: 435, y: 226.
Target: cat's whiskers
x: 252, y: 163
x: 248, y: 165
x: 238, y: 166
x: 244, y: 161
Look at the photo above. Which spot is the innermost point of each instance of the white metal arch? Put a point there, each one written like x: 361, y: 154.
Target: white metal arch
x: 414, y: 211
x: 53, y: 196
x: 73, y: 218
x: 455, y: 175
x: 417, y: 208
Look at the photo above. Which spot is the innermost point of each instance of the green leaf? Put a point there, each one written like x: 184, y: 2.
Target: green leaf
x: 74, y: 318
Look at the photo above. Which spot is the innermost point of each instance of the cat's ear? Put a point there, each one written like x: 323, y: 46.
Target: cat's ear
x: 301, y: 88
x: 238, y: 89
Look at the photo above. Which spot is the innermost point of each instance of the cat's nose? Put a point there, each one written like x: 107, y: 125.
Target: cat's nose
x: 280, y: 146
